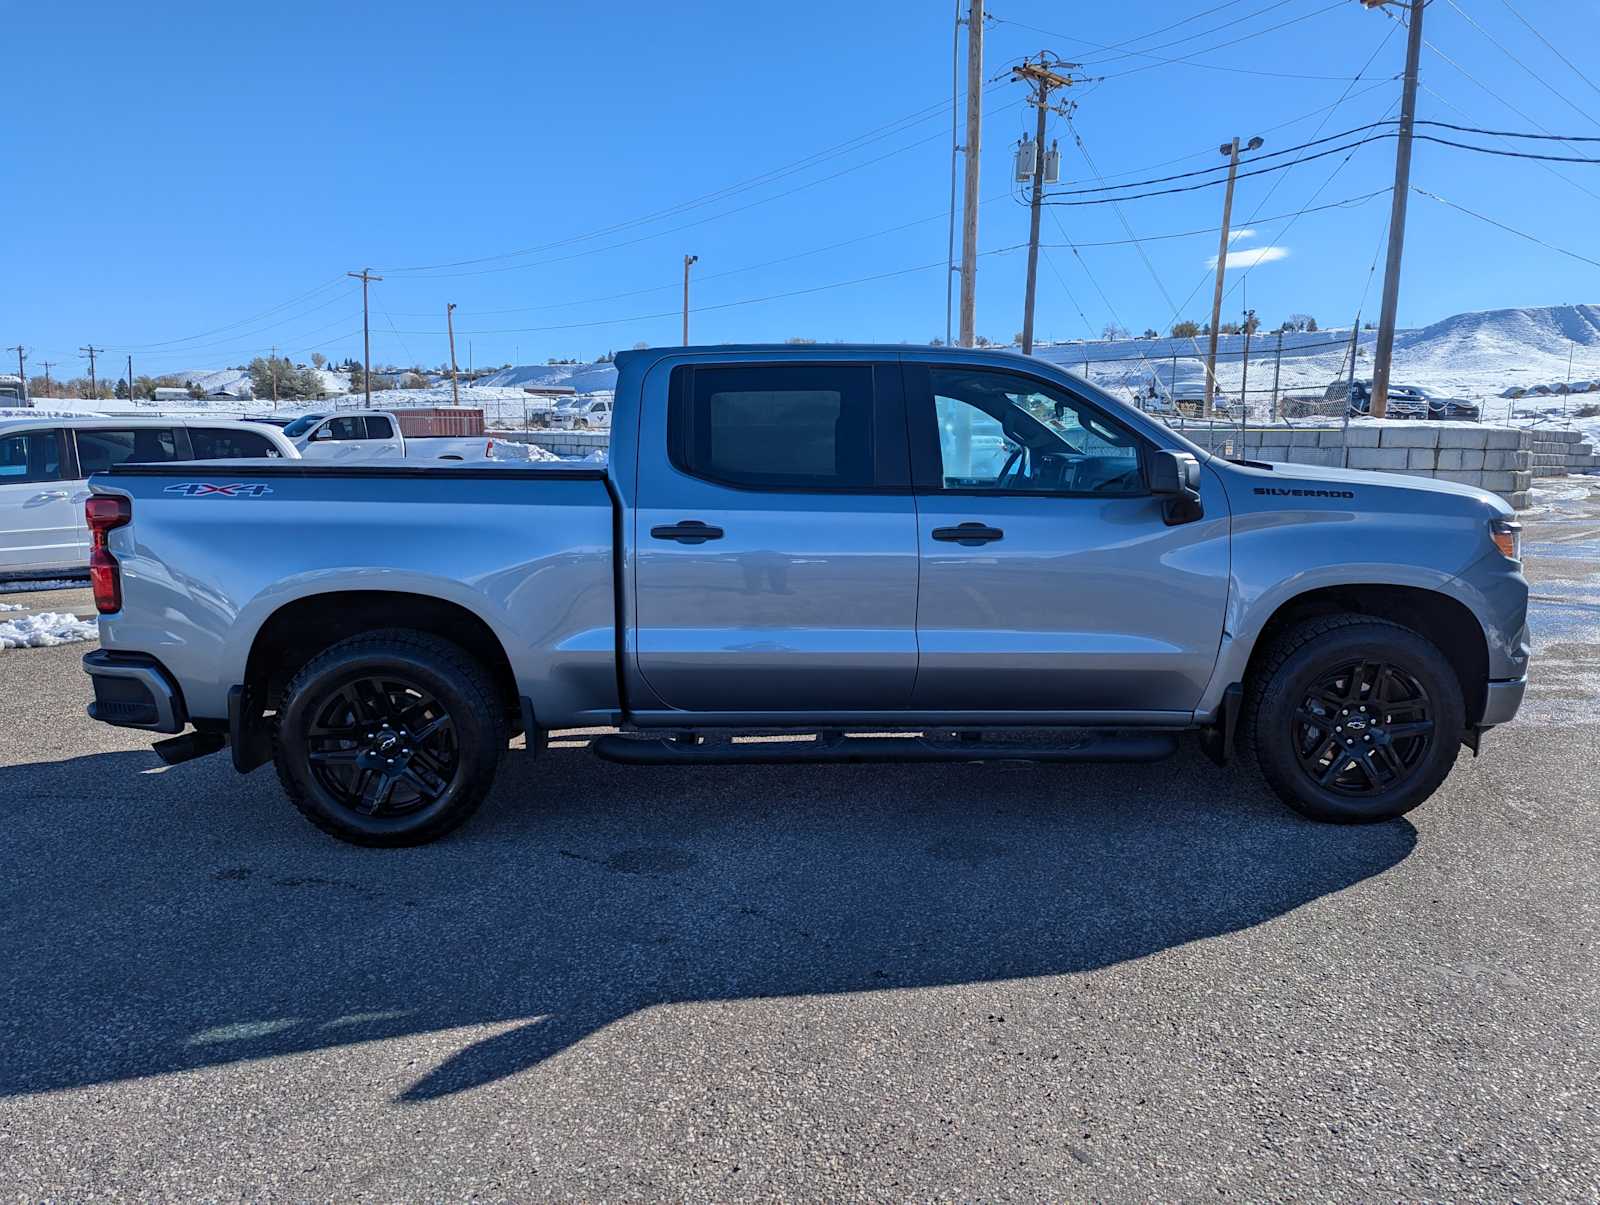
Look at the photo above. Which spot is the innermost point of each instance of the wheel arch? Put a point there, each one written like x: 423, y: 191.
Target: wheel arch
x: 300, y: 629
x: 1445, y: 621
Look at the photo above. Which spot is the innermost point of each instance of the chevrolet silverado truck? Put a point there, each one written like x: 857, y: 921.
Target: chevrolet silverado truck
x: 855, y: 553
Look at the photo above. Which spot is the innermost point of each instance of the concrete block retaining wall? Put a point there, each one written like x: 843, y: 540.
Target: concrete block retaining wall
x: 562, y: 443
x: 1503, y: 460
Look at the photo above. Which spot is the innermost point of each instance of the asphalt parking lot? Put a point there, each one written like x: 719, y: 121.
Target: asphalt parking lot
x: 810, y: 981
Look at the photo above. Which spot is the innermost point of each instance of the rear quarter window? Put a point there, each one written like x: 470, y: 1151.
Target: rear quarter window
x: 101, y: 447
x: 220, y: 443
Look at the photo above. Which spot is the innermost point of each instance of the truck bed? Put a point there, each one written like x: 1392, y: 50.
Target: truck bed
x: 214, y: 550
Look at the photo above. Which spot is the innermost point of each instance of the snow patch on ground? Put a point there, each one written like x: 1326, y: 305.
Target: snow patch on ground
x: 45, y: 631
x: 29, y: 585
x: 12, y: 607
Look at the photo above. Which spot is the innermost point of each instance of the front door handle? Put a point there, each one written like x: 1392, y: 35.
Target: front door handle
x: 968, y: 534
x: 690, y: 531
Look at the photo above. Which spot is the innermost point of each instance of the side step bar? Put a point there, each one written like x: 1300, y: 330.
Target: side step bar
x: 1096, y: 747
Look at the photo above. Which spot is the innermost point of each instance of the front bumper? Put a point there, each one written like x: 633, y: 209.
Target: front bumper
x: 134, y: 690
x: 1502, y: 701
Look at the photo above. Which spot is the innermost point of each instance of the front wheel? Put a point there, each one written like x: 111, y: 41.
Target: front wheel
x: 1355, y: 720
x: 391, y: 738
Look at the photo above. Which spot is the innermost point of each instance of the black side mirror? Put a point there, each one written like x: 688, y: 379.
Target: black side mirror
x: 1175, y: 476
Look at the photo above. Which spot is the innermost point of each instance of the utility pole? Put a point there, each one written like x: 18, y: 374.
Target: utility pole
x: 48, y: 365
x: 130, y: 378
x: 1042, y: 78
x: 449, y: 323
x: 969, y: 203
x: 22, y: 374
x: 688, y: 261
x: 272, y: 361
x: 1277, y: 369
x: 1397, y: 210
x: 1244, y: 375
x: 90, y: 351
x: 1230, y: 149
x: 365, y: 276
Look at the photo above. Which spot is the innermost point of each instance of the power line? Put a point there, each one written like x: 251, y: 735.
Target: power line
x: 1352, y: 147
x: 1555, y: 172
x: 1549, y: 46
x: 1485, y: 150
x: 768, y: 177
x: 1187, y: 59
x: 1502, y: 48
x: 1508, y: 229
x: 1510, y: 133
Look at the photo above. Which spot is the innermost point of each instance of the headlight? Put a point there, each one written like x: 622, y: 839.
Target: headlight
x: 1507, y: 537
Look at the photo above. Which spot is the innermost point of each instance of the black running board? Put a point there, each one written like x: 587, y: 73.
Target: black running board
x: 1097, y: 747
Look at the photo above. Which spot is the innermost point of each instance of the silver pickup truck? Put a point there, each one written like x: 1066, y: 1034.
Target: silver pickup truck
x: 860, y: 553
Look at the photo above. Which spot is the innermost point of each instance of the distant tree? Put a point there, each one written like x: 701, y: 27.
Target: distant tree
x: 1311, y: 323
x: 936, y: 342
x: 1252, y: 323
x: 1299, y: 322
x: 1185, y: 329
x: 413, y: 380
x: 1369, y: 326
x: 983, y: 341
x: 799, y: 340
x: 609, y: 357
x: 122, y: 389
x: 294, y: 382
x: 1114, y: 330
x: 1150, y: 333
x: 640, y: 346
x: 1228, y: 328
x: 318, y: 360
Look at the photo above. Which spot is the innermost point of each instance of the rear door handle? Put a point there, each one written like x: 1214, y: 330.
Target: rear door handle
x: 690, y: 531
x: 969, y: 534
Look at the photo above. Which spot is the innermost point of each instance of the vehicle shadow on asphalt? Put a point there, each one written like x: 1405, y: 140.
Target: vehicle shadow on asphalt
x: 159, y: 921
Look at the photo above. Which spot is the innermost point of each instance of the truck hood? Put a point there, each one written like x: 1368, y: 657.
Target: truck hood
x: 1289, y: 475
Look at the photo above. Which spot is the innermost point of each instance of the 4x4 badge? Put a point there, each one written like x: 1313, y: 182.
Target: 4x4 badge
x: 204, y: 489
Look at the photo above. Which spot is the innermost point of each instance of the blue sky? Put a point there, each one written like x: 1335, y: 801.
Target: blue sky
x: 190, y: 181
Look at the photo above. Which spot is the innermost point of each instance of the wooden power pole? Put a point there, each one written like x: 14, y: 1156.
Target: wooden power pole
x: 1042, y: 78
x: 449, y: 324
x: 974, y: 147
x: 688, y: 262
x: 1397, y: 211
x: 22, y: 374
x: 1230, y: 149
x: 130, y: 378
x: 272, y: 363
x: 365, y: 276
x: 90, y: 351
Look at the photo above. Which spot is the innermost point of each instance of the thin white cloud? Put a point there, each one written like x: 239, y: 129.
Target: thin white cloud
x: 1249, y: 257
x: 1235, y: 235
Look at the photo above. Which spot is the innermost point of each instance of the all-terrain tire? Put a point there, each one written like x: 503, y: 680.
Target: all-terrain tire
x: 1278, y: 692
x: 464, y: 754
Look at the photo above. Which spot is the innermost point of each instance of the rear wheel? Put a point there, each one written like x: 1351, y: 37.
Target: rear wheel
x: 1355, y: 720
x: 391, y: 738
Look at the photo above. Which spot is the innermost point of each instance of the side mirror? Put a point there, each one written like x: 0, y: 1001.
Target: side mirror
x: 1174, y: 473
x: 322, y: 433
x: 1175, y: 476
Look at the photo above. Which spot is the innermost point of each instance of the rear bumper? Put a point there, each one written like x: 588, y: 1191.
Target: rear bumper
x: 1502, y: 701
x: 134, y: 690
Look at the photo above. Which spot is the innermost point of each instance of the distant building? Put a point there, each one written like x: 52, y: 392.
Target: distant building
x: 550, y: 391
x: 166, y: 393
x: 14, y: 392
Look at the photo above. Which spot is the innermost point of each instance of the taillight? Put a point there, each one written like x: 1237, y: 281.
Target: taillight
x: 105, y: 513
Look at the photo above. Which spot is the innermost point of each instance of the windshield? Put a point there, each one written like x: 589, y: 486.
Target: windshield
x: 303, y: 424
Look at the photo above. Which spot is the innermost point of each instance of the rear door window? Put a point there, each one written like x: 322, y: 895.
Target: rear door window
x: 221, y: 443
x: 776, y: 426
x: 101, y: 447
x: 379, y: 427
x: 30, y: 456
x: 346, y: 426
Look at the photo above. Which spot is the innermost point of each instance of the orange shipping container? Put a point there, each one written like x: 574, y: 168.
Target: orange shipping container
x: 423, y: 422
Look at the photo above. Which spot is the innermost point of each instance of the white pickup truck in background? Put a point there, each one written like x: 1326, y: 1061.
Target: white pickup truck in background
x: 377, y: 435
